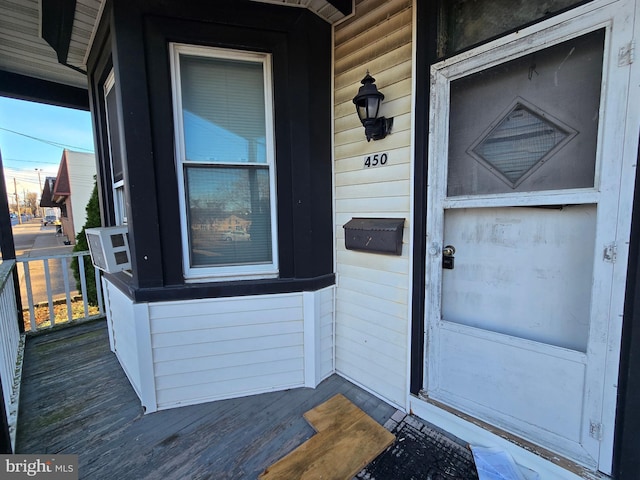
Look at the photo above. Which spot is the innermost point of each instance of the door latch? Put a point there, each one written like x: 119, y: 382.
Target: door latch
x: 448, y: 258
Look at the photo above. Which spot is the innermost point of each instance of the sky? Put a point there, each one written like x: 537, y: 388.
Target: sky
x: 33, y: 137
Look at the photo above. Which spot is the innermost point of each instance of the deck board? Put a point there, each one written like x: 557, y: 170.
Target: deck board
x: 76, y: 399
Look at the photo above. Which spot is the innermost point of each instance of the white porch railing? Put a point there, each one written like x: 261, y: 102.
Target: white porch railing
x: 51, y: 302
x: 11, y: 346
x: 39, y: 277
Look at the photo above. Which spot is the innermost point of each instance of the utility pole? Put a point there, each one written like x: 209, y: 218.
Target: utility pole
x: 40, y: 185
x: 15, y: 189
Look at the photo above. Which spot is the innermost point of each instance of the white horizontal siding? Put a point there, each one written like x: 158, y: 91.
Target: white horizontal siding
x: 233, y: 388
x: 222, y: 334
x: 187, y: 352
x: 221, y: 348
x: 224, y: 360
x: 246, y: 343
x: 124, y: 342
x: 372, y: 176
x: 379, y: 264
x: 372, y: 291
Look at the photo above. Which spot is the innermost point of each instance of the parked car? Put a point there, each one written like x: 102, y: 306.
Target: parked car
x: 235, y: 236
x: 49, y: 219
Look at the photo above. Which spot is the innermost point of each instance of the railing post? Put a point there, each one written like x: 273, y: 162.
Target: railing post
x: 8, y: 249
x: 16, y: 286
x: 5, y: 435
x: 7, y: 246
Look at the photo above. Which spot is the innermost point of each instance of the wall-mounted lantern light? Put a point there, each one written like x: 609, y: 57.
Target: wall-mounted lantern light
x: 367, y: 103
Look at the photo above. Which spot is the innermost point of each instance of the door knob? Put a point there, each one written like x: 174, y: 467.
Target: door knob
x: 449, y: 251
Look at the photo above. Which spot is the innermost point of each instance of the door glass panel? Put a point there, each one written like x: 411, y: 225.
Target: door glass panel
x: 529, y: 124
x: 462, y: 23
x: 519, y: 144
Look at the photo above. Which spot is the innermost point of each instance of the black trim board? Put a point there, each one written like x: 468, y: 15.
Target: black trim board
x: 219, y: 289
x: 344, y: 6
x: 426, y: 51
x: 57, y: 25
x: 626, y: 462
x: 7, y: 245
x: 100, y: 65
x: 32, y: 89
x: 136, y: 131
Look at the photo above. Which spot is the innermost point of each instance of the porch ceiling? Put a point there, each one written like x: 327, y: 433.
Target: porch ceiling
x: 23, y: 51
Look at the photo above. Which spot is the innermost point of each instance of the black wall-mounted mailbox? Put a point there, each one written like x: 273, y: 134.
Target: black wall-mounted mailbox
x: 380, y: 235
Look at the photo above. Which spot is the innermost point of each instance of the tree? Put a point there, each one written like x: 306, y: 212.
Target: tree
x: 31, y: 201
x: 93, y: 220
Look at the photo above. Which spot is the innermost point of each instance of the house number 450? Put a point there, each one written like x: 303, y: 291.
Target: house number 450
x: 375, y: 160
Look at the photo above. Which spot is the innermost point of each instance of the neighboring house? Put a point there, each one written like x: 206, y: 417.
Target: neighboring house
x: 510, y: 315
x: 70, y: 190
x: 49, y: 207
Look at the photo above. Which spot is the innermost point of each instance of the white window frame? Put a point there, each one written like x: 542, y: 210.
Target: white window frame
x: 119, y: 207
x: 225, y: 272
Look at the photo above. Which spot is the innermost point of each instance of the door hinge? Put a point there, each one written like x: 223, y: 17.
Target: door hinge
x: 595, y: 430
x: 626, y: 54
x: 610, y: 253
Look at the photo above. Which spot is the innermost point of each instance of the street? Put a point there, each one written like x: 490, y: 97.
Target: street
x: 33, y: 240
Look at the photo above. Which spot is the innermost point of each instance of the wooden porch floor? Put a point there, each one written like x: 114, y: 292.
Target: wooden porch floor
x: 75, y: 399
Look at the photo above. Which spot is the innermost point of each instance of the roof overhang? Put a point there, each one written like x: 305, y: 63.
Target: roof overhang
x: 46, y: 44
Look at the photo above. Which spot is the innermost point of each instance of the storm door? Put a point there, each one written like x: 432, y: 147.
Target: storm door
x: 522, y: 219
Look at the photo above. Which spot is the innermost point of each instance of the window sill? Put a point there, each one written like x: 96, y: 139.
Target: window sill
x: 235, y: 288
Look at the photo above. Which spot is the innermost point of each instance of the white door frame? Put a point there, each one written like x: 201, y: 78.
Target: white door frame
x: 618, y: 138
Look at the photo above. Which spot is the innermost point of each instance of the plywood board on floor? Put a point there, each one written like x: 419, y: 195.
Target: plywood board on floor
x: 347, y: 440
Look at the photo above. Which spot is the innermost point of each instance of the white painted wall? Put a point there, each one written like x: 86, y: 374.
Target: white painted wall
x: 82, y: 169
x: 372, y: 293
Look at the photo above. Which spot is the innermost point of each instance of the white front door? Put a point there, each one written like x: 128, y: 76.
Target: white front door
x: 529, y: 198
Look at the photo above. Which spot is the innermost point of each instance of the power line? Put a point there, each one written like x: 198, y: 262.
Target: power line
x: 48, y: 142
x: 5, y: 160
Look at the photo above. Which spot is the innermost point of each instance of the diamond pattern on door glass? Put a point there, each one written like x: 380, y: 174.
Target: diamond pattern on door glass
x: 519, y: 143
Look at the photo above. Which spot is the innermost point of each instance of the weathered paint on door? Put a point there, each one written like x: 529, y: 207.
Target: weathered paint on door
x: 526, y: 182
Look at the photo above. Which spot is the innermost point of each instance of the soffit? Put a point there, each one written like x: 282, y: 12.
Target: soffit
x: 24, y: 52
